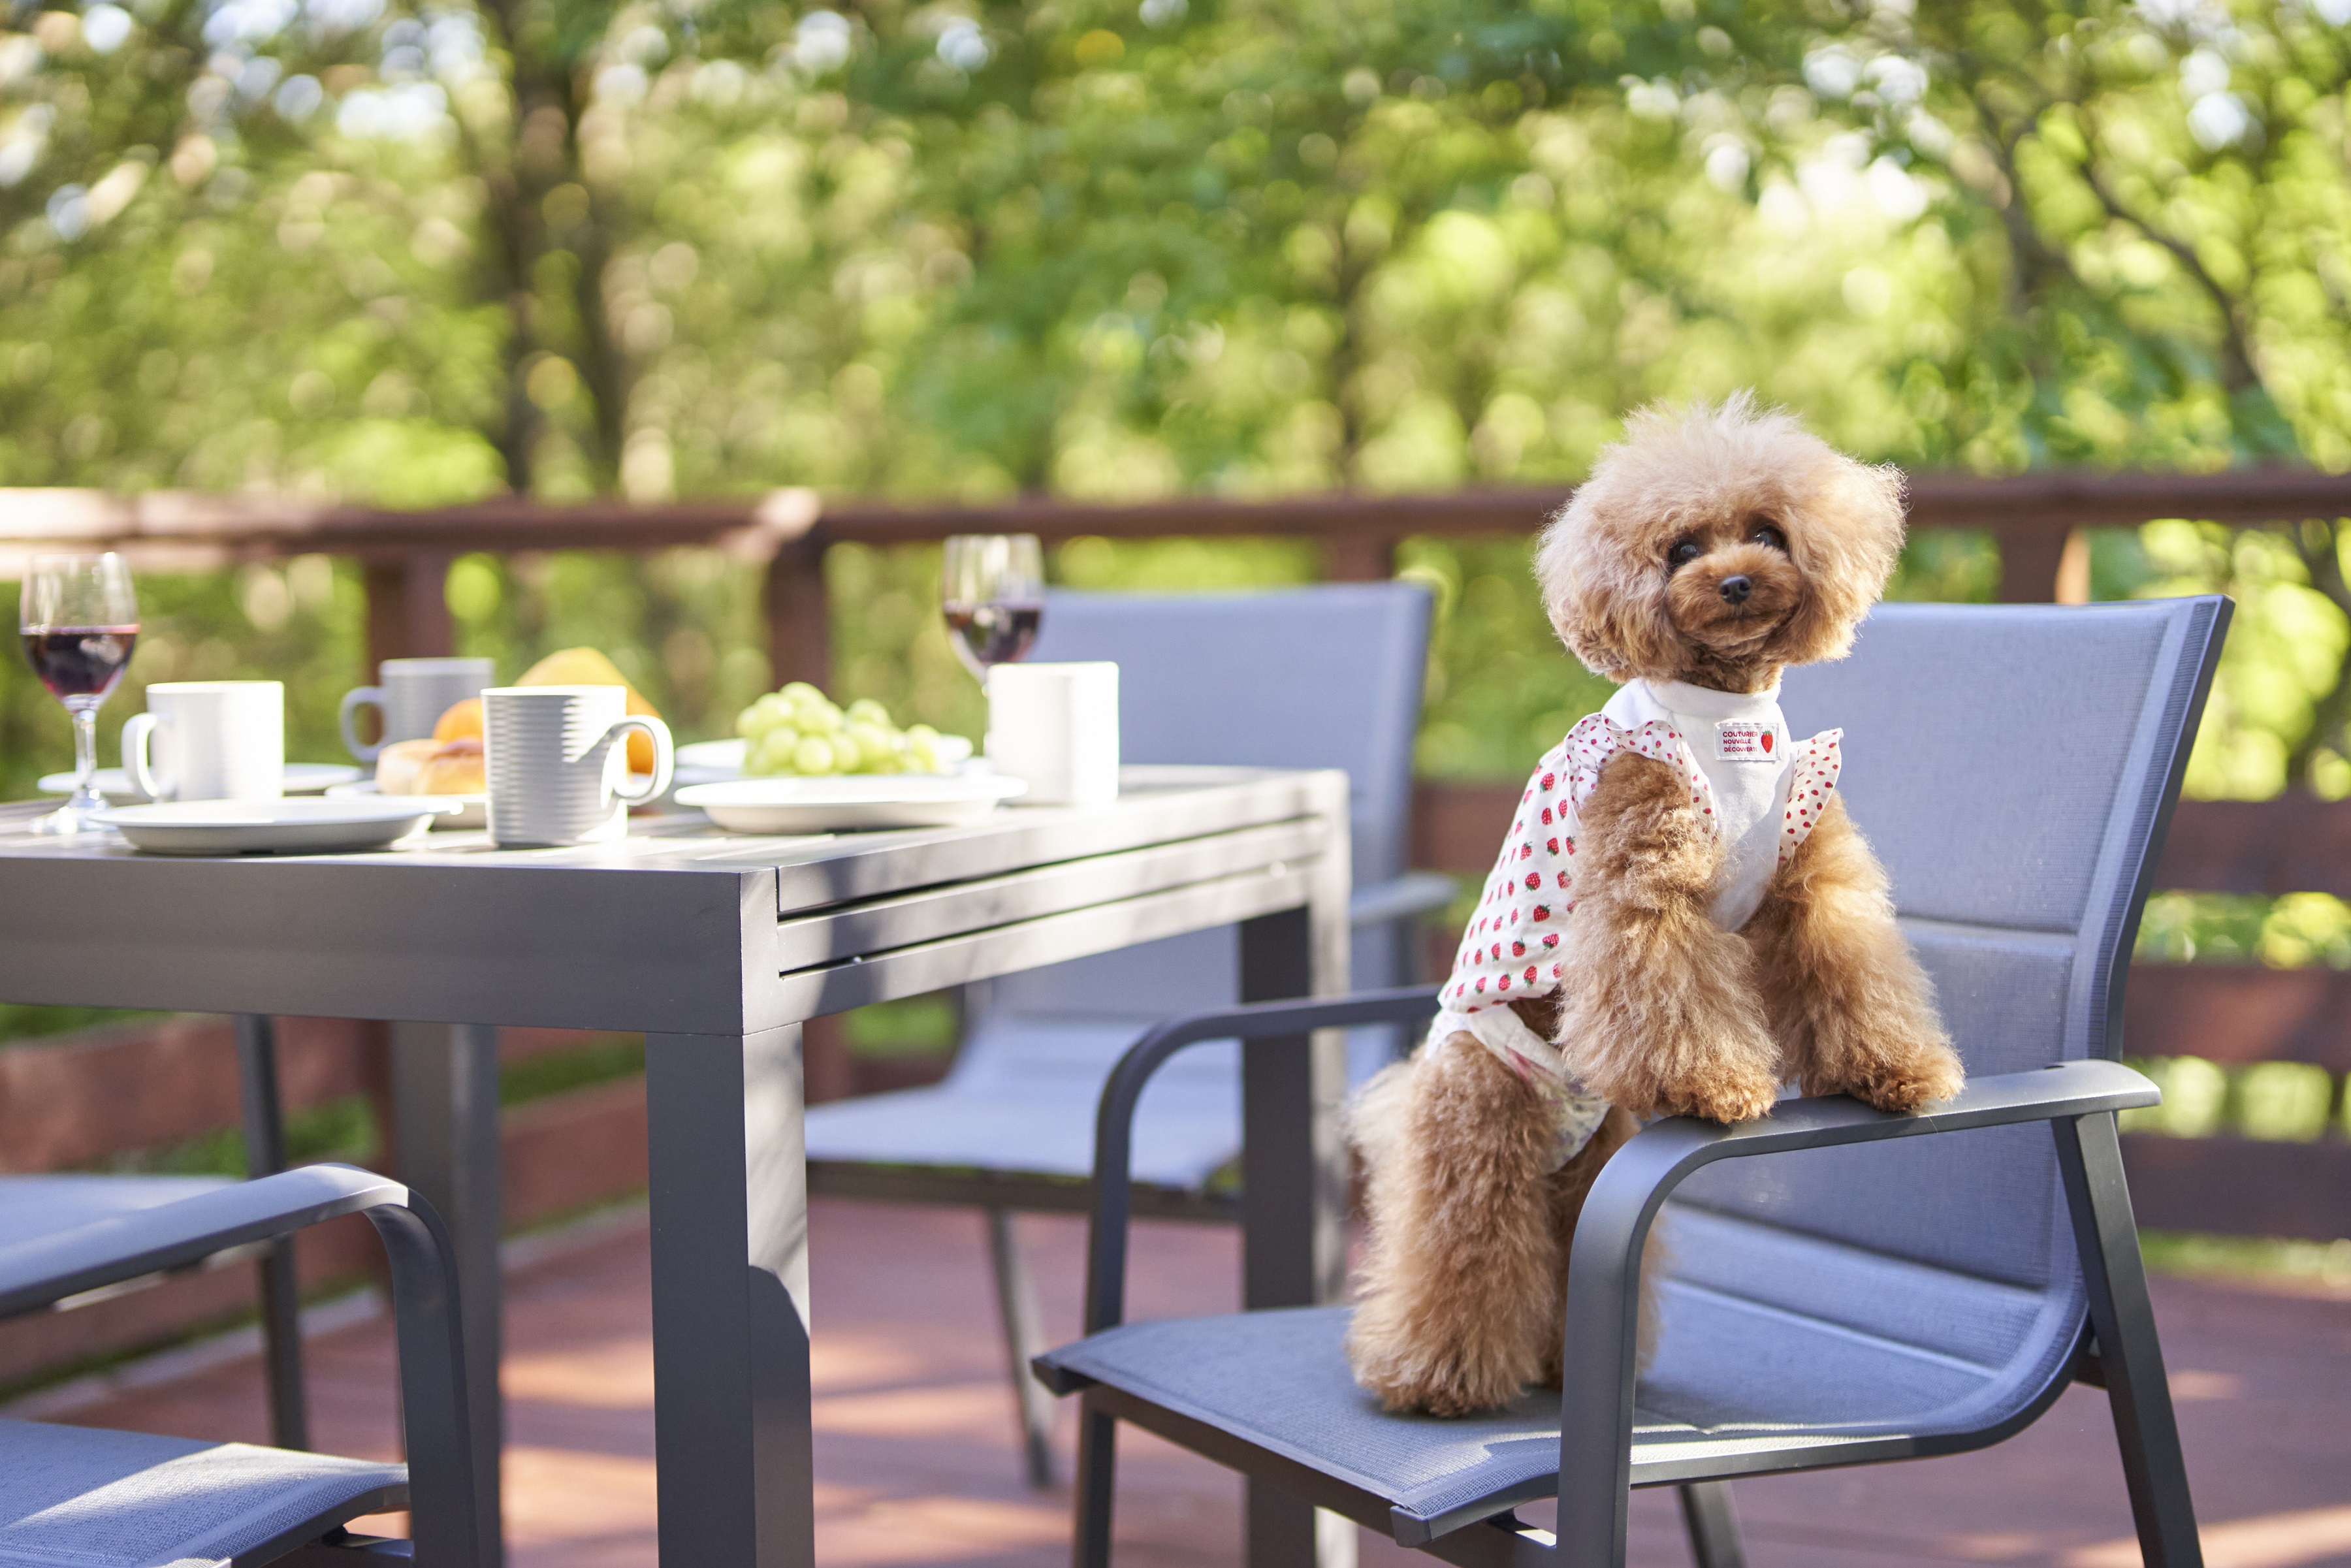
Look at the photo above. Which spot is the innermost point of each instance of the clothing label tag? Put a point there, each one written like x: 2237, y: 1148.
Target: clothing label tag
x: 1745, y: 741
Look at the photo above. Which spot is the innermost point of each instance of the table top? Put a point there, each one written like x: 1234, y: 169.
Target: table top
x: 678, y: 927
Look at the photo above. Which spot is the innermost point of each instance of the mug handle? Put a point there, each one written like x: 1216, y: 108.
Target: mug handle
x: 137, y: 741
x: 355, y: 699
x: 665, y: 755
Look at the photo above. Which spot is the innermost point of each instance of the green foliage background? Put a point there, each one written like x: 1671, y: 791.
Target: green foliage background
x: 415, y: 251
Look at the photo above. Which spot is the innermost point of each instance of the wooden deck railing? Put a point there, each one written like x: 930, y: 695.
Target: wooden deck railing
x: 2234, y: 1015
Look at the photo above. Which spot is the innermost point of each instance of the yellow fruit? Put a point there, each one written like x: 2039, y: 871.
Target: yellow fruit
x: 462, y: 719
x: 587, y: 667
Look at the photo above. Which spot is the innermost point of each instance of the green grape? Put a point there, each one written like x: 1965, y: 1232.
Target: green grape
x: 796, y: 692
x: 818, y: 717
x: 865, y: 710
x: 815, y: 756
x: 772, y: 752
x: 763, y: 716
x: 922, y: 755
x: 877, y: 747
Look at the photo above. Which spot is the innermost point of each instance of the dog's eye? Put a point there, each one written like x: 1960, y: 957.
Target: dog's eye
x: 1766, y: 534
x: 1682, y: 554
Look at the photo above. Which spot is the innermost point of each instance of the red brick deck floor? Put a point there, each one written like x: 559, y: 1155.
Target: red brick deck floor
x: 916, y: 1460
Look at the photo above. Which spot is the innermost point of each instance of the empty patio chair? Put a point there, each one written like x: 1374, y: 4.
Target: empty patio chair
x: 32, y: 1205
x: 96, y: 1499
x: 1845, y: 1286
x: 1327, y: 676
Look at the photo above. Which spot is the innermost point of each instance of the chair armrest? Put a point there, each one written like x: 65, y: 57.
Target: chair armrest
x: 1114, y: 1119
x: 1383, y: 903
x: 1605, y: 1266
x: 176, y: 1235
x: 424, y: 1307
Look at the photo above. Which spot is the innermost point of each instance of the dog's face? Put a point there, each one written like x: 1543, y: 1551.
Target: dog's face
x: 1718, y: 546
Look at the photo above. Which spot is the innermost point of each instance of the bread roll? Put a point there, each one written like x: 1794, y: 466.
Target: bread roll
x: 454, y: 768
x: 430, y: 767
x: 397, y: 766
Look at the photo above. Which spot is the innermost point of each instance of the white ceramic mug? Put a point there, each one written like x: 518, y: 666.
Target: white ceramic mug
x: 208, y: 740
x: 411, y: 697
x: 1055, y: 727
x: 557, y: 768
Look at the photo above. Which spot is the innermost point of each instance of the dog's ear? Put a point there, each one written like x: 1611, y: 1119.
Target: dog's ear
x: 1605, y: 598
x: 1847, y: 536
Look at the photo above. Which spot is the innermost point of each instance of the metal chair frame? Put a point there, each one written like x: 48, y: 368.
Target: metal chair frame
x: 2119, y: 1351
x: 448, y: 1529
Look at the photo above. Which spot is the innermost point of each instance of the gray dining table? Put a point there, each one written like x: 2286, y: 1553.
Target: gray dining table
x: 718, y: 946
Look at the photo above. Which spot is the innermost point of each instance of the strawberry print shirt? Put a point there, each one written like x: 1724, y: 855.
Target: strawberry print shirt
x: 1748, y: 783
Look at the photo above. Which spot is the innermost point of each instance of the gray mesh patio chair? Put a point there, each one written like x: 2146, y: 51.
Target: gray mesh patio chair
x: 32, y: 1205
x: 95, y: 1499
x: 1320, y: 678
x: 1845, y: 1286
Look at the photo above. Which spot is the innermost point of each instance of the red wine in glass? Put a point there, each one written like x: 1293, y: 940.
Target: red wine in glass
x: 992, y: 597
x: 994, y: 634
x: 79, y: 620
x: 79, y: 662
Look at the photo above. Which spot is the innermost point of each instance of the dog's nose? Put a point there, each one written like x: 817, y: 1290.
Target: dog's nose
x: 1737, y: 588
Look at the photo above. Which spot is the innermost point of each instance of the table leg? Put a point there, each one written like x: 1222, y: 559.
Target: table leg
x: 445, y: 1089
x: 729, y: 1199
x: 1293, y: 1252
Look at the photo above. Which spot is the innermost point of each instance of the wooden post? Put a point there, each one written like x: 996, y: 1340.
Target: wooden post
x: 1364, y: 556
x: 408, y: 609
x: 800, y: 630
x: 2032, y: 560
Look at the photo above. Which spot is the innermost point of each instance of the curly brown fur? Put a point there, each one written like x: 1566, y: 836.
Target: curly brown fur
x: 1659, y: 1012
x: 1570, y: 1186
x: 1852, y: 1011
x: 1455, y: 1307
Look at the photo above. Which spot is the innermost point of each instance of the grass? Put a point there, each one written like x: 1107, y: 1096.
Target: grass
x: 2251, y: 1258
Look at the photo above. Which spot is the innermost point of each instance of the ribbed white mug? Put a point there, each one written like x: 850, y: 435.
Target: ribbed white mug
x: 1055, y: 727
x: 558, y: 772
x: 411, y: 697
x: 208, y: 740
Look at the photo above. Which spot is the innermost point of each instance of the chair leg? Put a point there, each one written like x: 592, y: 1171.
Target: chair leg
x: 1097, y: 1485
x: 1024, y: 1339
x: 1713, y: 1525
x: 281, y: 1301
x: 2131, y: 1357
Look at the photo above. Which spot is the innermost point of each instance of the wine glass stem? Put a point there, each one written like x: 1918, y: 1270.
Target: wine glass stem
x: 85, y: 726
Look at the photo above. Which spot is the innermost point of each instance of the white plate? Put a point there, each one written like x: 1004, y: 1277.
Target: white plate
x: 858, y: 800
x: 259, y: 826
x: 473, y: 810
x: 713, y: 761
x: 114, y: 783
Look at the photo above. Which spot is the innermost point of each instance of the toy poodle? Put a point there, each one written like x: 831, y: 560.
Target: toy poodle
x: 1682, y: 916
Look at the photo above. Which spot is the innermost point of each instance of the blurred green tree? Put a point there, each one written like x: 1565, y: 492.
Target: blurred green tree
x: 421, y: 250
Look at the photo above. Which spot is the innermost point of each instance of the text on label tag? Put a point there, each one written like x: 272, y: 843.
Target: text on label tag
x: 1745, y: 740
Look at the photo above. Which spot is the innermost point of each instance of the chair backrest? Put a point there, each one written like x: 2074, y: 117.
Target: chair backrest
x: 1327, y: 676
x: 2014, y: 768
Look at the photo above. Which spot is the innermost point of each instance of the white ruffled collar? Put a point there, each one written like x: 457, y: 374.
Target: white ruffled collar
x: 1704, y: 702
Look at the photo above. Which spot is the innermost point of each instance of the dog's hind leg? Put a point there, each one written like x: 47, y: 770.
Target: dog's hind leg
x: 1568, y: 1188
x: 1457, y: 1304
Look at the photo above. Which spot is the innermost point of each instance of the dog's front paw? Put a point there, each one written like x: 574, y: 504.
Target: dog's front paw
x: 1725, y: 1094
x: 1903, y: 1080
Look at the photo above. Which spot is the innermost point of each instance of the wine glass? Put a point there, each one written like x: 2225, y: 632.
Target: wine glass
x: 80, y: 621
x: 993, y: 592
